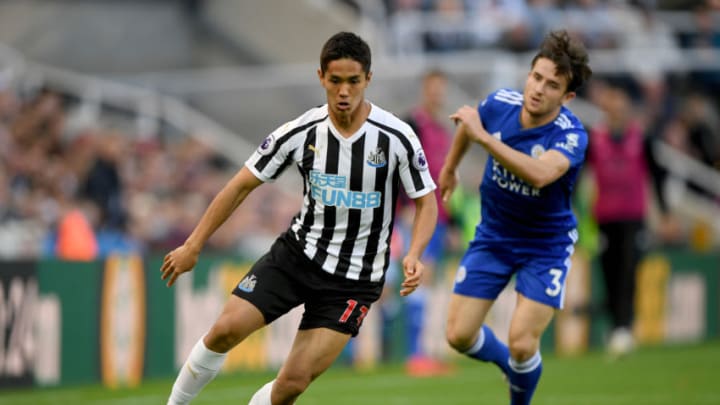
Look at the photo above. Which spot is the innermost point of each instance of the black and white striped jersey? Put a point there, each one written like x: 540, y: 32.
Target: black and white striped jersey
x: 350, y: 186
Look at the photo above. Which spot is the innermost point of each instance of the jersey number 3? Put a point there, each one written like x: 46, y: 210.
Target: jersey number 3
x: 556, y: 286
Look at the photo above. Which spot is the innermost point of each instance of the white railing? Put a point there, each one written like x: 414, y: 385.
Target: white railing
x: 150, y: 107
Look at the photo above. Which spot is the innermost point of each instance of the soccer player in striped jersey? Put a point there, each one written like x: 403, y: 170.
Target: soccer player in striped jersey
x: 536, y: 147
x: 353, y: 157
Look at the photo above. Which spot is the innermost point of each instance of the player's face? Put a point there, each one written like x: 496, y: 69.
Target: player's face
x: 544, y: 90
x: 345, y: 82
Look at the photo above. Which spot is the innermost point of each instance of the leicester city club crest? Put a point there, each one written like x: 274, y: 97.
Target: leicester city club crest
x: 536, y: 151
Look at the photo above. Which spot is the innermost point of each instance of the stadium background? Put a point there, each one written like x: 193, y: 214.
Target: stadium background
x: 133, y: 113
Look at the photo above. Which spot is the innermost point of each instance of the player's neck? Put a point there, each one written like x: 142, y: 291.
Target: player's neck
x: 529, y: 120
x: 349, y: 124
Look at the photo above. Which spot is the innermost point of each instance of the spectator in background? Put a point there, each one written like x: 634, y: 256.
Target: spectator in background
x: 700, y: 119
x: 620, y: 158
x: 76, y: 240
x: 705, y: 38
x: 428, y: 121
x: 102, y: 183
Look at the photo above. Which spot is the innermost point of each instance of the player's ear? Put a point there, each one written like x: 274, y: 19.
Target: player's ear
x: 368, y: 76
x: 320, y: 74
x: 569, y: 96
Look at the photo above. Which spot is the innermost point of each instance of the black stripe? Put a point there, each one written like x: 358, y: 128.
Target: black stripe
x: 282, y: 167
x: 356, y: 184
x: 414, y: 173
x: 332, y: 159
x: 381, y: 174
x: 262, y: 162
x: 307, y: 165
x: 395, y: 193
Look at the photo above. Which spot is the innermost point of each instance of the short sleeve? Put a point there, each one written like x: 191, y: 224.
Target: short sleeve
x: 272, y: 156
x: 573, y: 144
x: 413, y: 168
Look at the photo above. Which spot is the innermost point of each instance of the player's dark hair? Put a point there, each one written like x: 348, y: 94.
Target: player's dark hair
x: 569, y: 55
x: 345, y: 45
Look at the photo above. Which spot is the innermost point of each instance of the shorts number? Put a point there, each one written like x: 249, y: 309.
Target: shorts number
x: 556, y: 274
x: 349, y: 310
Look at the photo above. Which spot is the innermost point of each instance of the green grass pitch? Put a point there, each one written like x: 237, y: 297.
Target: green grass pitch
x: 674, y: 375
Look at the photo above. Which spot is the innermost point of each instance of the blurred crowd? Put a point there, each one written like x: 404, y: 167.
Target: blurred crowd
x: 519, y: 25
x: 82, y: 193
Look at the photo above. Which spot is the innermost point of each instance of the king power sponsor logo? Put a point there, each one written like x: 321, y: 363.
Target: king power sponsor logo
x: 508, y: 181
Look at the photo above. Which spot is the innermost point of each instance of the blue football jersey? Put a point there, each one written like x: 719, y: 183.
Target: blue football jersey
x: 513, y: 210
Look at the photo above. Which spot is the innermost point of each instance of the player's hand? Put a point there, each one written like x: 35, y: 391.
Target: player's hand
x: 177, y: 262
x: 448, y: 180
x: 470, y: 118
x: 413, y: 271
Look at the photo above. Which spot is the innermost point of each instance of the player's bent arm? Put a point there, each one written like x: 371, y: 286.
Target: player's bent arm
x: 540, y: 172
x: 184, y: 257
x: 536, y: 172
x: 222, y: 206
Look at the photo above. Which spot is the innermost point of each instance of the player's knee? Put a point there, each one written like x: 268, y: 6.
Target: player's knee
x: 291, y: 386
x: 221, y: 338
x: 458, y: 340
x: 522, y: 347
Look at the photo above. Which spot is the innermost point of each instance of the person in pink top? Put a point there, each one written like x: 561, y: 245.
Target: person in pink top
x: 623, y: 169
x: 428, y: 120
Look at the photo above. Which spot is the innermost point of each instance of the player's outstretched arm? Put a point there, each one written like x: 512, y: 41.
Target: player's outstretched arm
x: 184, y: 258
x: 423, y: 228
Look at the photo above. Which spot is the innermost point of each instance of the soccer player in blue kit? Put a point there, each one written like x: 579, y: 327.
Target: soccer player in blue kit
x: 536, y: 147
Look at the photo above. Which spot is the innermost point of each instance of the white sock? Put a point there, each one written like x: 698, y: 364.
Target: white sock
x: 201, y: 366
x: 526, y: 366
x: 262, y: 396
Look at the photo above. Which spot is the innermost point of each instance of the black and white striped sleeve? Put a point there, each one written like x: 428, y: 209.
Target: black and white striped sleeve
x: 413, y: 167
x: 274, y: 154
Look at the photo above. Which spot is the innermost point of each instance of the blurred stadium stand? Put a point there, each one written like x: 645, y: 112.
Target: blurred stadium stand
x: 227, y: 73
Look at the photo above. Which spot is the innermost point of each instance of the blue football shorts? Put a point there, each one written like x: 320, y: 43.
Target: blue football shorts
x: 486, y: 268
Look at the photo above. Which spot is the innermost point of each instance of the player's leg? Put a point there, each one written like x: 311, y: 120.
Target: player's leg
x: 238, y: 319
x: 467, y: 334
x: 529, y: 321
x: 541, y: 289
x: 482, y: 275
x: 334, y: 311
x: 313, y: 351
x: 268, y: 291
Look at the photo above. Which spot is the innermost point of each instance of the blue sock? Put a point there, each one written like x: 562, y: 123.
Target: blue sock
x: 415, y: 307
x: 489, y: 348
x: 524, y: 378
